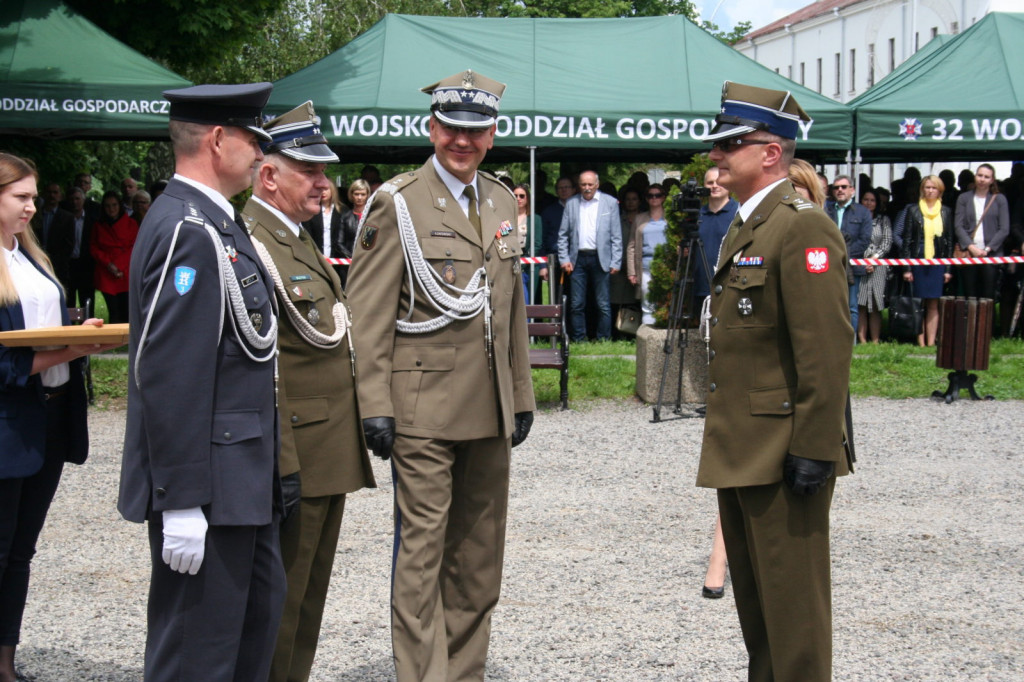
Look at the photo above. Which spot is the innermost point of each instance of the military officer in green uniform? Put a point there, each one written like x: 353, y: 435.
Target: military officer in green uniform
x: 780, y: 350
x: 323, y: 455
x: 441, y: 346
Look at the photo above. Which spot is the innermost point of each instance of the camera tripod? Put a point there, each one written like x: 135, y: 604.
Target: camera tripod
x: 679, y: 322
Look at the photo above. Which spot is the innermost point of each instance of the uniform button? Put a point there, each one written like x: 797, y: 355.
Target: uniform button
x: 419, y: 363
x: 714, y: 321
x: 227, y: 435
x: 448, y: 252
x: 718, y: 288
x: 487, y: 257
x: 744, y: 280
x: 785, y: 405
x: 711, y: 355
x: 712, y: 387
x: 295, y: 419
x: 160, y: 492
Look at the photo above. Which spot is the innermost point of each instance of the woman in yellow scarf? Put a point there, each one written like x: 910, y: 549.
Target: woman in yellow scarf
x: 927, y: 232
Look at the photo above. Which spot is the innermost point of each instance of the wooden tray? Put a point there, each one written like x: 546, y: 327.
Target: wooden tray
x: 66, y: 336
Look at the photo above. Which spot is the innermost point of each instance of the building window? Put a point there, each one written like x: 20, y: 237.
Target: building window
x: 803, y: 72
x: 954, y: 28
x: 935, y: 31
x: 819, y: 75
x: 853, y: 70
x: 776, y: 69
x: 871, y: 64
x: 892, y: 54
x: 789, y: 72
x: 839, y: 72
x: 917, y: 41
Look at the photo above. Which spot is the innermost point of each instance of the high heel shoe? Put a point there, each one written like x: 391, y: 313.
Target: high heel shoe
x: 712, y: 592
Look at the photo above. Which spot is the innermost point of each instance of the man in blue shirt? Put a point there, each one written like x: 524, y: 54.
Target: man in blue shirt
x: 854, y: 222
x: 715, y: 218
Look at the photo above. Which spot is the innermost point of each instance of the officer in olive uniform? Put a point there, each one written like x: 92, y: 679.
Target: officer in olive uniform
x: 200, y: 446
x: 781, y: 344
x: 323, y: 456
x: 444, y: 377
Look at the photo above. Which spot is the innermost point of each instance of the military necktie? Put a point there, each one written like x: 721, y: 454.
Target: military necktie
x: 474, y: 212
x: 734, y: 228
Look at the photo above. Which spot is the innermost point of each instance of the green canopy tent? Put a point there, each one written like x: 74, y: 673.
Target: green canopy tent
x: 61, y: 76
x: 963, y: 100
x: 622, y: 89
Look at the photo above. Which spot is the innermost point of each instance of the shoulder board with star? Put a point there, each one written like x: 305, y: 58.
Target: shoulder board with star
x: 798, y: 202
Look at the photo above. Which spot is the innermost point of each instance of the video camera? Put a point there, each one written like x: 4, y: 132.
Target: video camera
x: 688, y: 203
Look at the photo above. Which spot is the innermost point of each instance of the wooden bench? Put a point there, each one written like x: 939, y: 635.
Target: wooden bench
x: 548, y: 322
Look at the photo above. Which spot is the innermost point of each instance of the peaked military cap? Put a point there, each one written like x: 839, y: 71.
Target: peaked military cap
x: 221, y: 105
x: 297, y: 135
x: 746, y: 108
x: 466, y: 100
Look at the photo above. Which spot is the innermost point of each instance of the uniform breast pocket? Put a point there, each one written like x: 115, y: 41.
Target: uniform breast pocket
x: 421, y: 385
x: 747, y: 289
x: 449, y: 258
x: 509, y: 255
x: 313, y: 301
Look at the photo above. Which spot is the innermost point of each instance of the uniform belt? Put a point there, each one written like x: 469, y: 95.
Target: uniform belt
x: 587, y: 252
x: 49, y: 393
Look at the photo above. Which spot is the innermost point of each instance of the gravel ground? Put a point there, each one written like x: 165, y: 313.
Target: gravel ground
x: 607, y: 544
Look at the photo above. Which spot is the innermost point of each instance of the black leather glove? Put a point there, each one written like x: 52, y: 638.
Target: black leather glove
x: 291, y: 493
x: 524, y: 422
x: 380, y: 435
x: 806, y: 476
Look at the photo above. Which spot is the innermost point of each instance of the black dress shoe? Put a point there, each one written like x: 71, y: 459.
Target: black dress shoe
x: 712, y: 592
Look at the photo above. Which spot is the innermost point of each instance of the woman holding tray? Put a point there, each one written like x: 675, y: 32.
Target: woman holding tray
x: 42, y: 399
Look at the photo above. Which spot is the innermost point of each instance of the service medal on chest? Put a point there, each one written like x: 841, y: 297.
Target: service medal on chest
x: 257, y: 320
x: 746, y: 307
x: 448, y: 273
x: 313, y: 316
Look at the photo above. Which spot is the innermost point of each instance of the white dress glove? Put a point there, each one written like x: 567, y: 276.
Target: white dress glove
x: 184, y: 539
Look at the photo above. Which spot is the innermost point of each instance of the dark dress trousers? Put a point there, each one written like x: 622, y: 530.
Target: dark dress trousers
x: 202, y: 432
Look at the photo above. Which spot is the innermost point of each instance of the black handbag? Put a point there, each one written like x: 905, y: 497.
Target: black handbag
x: 906, y: 315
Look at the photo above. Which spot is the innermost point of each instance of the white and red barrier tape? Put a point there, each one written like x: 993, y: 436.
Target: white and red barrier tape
x: 990, y: 260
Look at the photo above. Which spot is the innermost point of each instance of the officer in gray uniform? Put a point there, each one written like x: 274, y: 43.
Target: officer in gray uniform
x: 200, y: 449
x: 780, y: 350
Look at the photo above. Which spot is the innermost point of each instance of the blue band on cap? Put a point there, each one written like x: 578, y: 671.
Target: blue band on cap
x: 772, y: 121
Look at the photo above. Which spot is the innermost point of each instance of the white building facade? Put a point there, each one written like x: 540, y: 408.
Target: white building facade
x: 840, y: 48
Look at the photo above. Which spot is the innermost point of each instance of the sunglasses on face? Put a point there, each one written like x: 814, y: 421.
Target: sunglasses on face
x: 655, y: 195
x: 730, y: 144
x: 520, y: 196
x: 841, y: 186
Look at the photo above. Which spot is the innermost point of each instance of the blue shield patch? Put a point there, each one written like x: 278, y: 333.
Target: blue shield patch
x: 184, y: 278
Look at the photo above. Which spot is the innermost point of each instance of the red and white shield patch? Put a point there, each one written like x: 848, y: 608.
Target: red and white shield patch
x: 817, y: 261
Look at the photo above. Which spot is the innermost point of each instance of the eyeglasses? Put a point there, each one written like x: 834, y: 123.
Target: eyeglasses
x: 520, y: 196
x: 655, y: 195
x: 729, y: 144
x: 841, y: 186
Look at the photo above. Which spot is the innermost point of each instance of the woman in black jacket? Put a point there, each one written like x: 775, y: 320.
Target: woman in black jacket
x: 927, y: 232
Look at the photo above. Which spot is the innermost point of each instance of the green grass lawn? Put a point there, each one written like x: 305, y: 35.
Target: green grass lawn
x: 607, y: 369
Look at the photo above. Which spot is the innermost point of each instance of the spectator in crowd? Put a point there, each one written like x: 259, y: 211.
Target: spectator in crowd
x: 965, y: 180
x: 905, y: 190
x: 327, y: 228
x: 81, y: 267
x: 807, y: 182
x: 926, y: 230
x: 542, y: 198
x: 372, y: 177
x: 157, y: 188
x: 551, y: 220
x: 855, y: 223
x: 640, y: 182
x: 884, y: 197
x: 54, y: 231
x: 323, y: 456
x: 648, y: 234
x: 128, y: 189
x: 982, y: 221
x: 529, y: 231
x: 714, y: 220
x: 111, y: 242
x: 358, y: 192
x: 92, y: 207
x: 589, y: 249
x: 949, y: 197
x: 140, y: 205
x: 871, y: 299
x: 42, y: 398
x: 826, y: 187
x: 622, y: 290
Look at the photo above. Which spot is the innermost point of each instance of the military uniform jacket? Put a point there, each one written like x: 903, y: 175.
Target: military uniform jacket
x: 781, y: 345
x: 438, y: 384
x: 321, y: 431
x: 201, y: 427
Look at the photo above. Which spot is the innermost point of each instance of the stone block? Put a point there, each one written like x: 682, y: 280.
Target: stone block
x: 651, y: 356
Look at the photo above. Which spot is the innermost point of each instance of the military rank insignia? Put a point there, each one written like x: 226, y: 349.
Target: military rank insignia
x: 369, y: 237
